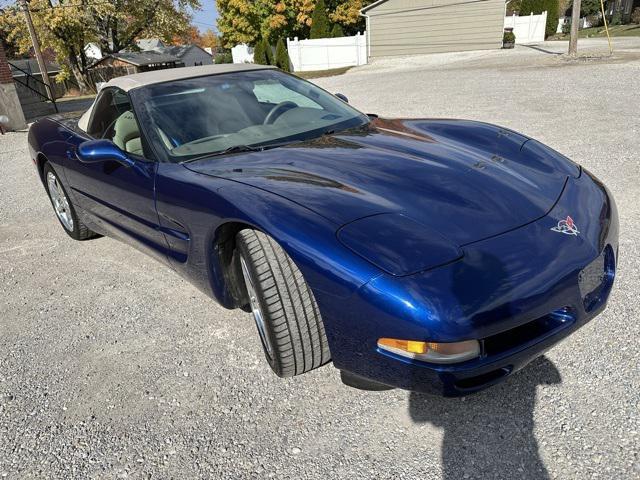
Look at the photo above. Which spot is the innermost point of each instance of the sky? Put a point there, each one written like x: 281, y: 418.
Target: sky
x: 206, y: 18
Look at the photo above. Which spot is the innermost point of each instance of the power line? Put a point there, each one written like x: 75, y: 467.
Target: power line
x: 205, y: 24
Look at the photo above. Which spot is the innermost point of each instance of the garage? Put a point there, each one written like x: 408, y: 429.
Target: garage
x: 412, y: 27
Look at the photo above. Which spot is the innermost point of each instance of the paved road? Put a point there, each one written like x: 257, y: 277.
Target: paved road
x: 112, y: 366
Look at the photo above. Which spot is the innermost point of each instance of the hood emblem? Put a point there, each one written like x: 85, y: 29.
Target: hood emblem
x: 566, y: 226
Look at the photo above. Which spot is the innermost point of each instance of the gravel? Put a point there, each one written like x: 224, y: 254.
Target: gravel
x: 111, y: 366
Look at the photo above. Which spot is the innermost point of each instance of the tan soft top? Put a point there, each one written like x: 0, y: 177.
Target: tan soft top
x: 136, y: 80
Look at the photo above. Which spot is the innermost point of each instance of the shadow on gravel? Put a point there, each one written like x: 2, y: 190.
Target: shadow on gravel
x: 490, y: 434
x: 543, y: 50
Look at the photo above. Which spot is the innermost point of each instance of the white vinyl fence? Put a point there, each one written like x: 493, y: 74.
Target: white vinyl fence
x: 529, y: 28
x: 584, y: 22
x: 327, y: 53
x: 242, y: 53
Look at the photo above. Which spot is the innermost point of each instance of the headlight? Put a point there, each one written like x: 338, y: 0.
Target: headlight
x: 397, y: 244
x: 433, y: 352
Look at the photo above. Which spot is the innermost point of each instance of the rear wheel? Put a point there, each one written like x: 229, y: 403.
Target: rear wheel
x: 63, y: 207
x: 282, y: 305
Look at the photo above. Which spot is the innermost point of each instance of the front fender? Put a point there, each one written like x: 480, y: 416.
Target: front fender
x: 47, y: 139
x: 193, y: 207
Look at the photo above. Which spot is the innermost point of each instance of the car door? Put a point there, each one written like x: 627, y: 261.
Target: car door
x: 120, y: 199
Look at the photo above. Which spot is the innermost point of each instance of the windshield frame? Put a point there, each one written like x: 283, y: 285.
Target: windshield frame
x: 141, y: 94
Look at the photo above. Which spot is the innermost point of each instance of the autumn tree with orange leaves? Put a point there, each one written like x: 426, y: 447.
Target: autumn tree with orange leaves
x: 67, y: 26
x: 246, y: 21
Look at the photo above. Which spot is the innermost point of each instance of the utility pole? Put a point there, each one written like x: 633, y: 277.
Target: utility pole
x: 575, y: 20
x: 36, y: 46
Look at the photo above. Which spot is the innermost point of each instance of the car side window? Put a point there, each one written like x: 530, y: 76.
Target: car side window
x: 113, y: 119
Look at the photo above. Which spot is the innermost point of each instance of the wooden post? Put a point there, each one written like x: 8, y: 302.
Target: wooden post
x: 575, y: 20
x: 36, y: 47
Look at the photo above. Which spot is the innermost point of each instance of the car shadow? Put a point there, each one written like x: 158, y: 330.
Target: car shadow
x: 490, y: 434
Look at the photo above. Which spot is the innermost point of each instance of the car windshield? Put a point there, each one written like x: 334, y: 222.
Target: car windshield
x: 209, y: 115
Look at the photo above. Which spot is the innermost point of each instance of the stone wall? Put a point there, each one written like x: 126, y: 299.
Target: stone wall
x: 9, y: 101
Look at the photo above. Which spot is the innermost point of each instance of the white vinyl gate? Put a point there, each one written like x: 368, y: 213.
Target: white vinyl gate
x: 327, y: 53
x: 529, y: 28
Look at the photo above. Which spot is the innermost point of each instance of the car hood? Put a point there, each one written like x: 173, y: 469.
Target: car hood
x: 466, y: 180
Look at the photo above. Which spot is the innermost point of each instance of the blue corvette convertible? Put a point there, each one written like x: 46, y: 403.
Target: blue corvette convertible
x: 428, y: 254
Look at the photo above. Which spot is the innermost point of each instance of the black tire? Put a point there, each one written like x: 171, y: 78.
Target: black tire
x: 77, y: 230
x: 292, y: 322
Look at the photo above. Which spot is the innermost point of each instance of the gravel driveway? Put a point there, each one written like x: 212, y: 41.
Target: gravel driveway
x: 111, y: 366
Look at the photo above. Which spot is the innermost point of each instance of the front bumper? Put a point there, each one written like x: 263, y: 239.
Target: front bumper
x: 518, y: 293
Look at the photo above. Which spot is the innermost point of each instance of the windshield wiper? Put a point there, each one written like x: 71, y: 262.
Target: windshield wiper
x: 256, y: 148
x: 233, y: 149
x: 268, y: 146
x: 236, y: 149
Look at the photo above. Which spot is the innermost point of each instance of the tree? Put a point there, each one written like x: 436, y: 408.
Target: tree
x: 513, y: 7
x: 10, y: 44
x: 224, y: 57
x: 337, y: 31
x: 65, y: 30
x: 564, y: 7
x: 238, y: 22
x: 553, y: 14
x: 320, y: 21
x: 268, y: 52
x: 282, y: 56
x: 589, y: 7
x: 244, y: 21
x: 191, y: 36
x: 120, y: 22
x: 260, y: 54
x: 210, y: 40
x: 347, y: 14
x: 68, y: 25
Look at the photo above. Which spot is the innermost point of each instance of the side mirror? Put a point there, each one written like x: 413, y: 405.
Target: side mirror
x: 342, y: 97
x: 94, y: 151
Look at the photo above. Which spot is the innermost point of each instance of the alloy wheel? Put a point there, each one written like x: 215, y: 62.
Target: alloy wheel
x: 256, y: 310
x: 60, y: 201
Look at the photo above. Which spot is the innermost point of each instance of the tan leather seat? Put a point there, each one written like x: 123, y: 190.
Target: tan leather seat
x: 126, y: 134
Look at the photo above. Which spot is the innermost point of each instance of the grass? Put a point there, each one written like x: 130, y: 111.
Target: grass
x: 630, y: 30
x: 323, y: 73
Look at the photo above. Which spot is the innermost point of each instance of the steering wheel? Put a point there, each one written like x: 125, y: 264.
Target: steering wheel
x: 278, y: 110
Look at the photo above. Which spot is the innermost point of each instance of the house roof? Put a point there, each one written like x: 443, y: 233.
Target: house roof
x: 380, y: 2
x: 179, y: 50
x: 149, y: 43
x: 129, y: 82
x: 373, y: 5
x: 30, y: 65
x: 139, y: 59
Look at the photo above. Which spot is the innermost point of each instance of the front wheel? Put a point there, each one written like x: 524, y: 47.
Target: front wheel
x: 63, y: 207
x: 282, y: 305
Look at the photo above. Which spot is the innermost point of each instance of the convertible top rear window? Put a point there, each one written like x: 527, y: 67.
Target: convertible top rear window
x: 199, y: 116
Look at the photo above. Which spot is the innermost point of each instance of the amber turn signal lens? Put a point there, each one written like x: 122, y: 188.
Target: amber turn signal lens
x: 435, y: 352
x: 411, y: 346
